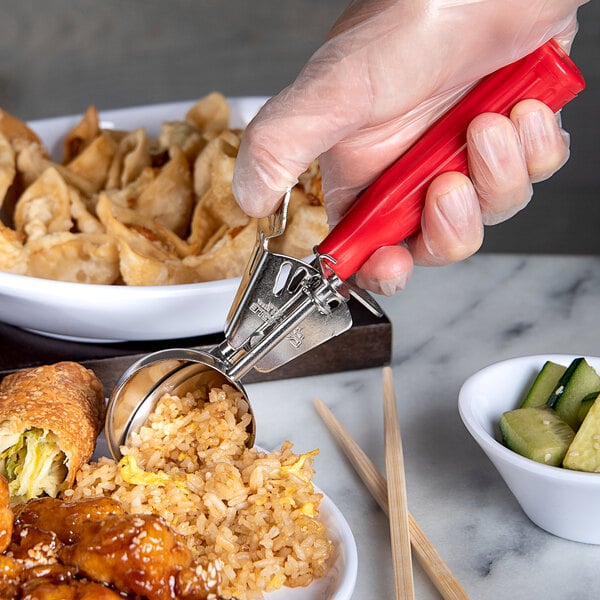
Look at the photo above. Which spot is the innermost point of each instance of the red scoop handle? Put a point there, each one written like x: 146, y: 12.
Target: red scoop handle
x: 389, y: 210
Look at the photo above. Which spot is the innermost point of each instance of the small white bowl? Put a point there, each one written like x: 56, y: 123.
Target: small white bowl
x: 563, y: 502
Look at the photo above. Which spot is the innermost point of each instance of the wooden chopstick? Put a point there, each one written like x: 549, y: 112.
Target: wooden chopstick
x: 425, y: 552
x: 396, y: 492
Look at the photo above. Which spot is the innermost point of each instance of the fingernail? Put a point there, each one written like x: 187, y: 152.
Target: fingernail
x: 458, y: 211
x: 497, y: 144
x: 565, y: 135
x: 456, y: 206
x: 537, y: 132
x: 566, y: 138
x: 389, y: 287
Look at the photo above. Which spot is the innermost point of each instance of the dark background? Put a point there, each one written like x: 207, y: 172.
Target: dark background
x: 58, y: 56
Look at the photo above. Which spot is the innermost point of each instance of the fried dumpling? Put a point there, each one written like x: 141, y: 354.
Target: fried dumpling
x: 149, y: 254
x: 127, y: 195
x: 168, y: 199
x: 94, y: 161
x: 84, y: 220
x: 44, y: 207
x: 223, y: 148
x: 211, y: 113
x: 79, y: 138
x: 131, y: 157
x: 211, y: 215
x: 7, y: 166
x: 13, y: 254
x: 217, y: 206
x: 165, y: 201
x: 128, y: 224
x: 15, y: 129
x: 76, y: 257
x: 306, y: 226
x: 140, y: 268
x: 228, y: 255
x: 312, y: 182
x: 32, y: 162
x: 184, y: 135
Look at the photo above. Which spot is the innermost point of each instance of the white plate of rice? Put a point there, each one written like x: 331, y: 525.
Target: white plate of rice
x: 258, y: 512
x: 339, y: 582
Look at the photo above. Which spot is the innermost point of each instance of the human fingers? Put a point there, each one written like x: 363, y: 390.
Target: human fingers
x: 528, y: 147
x: 497, y: 167
x: 378, y: 68
x: 451, y: 223
x: 386, y: 271
x: 451, y: 230
x: 545, y: 144
x: 507, y: 154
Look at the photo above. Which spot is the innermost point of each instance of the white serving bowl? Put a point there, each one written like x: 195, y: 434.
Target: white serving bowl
x: 111, y: 313
x: 563, y: 502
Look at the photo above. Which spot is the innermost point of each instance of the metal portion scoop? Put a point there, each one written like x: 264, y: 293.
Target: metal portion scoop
x: 285, y: 307
x: 175, y: 371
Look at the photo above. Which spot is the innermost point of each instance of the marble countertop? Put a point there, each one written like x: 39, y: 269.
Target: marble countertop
x: 447, y: 324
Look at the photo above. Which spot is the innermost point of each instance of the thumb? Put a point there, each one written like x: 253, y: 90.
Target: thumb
x: 278, y: 146
x: 293, y: 128
x: 266, y: 166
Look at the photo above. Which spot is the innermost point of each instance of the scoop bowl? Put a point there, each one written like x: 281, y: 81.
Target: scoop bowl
x: 175, y: 371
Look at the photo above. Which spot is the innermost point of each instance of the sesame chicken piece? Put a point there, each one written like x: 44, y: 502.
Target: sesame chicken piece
x: 6, y: 515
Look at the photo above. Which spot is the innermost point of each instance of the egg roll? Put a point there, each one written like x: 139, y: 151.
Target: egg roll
x: 50, y: 418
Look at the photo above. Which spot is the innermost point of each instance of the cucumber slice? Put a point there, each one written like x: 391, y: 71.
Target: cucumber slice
x: 544, y: 384
x: 579, y: 380
x: 584, y: 452
x: 560, y: 385
x: 585, y: 406
x: 537, y: 433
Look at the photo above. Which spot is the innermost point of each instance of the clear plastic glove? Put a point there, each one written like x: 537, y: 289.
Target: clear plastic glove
x: 387, y: 70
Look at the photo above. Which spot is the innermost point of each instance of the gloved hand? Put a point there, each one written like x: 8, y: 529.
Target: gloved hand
x: 387, y: 70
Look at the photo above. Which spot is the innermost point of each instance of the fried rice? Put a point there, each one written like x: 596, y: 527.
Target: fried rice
x: 254, y: 512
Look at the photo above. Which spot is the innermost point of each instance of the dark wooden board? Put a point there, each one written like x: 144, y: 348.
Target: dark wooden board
x: 367, y: 344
